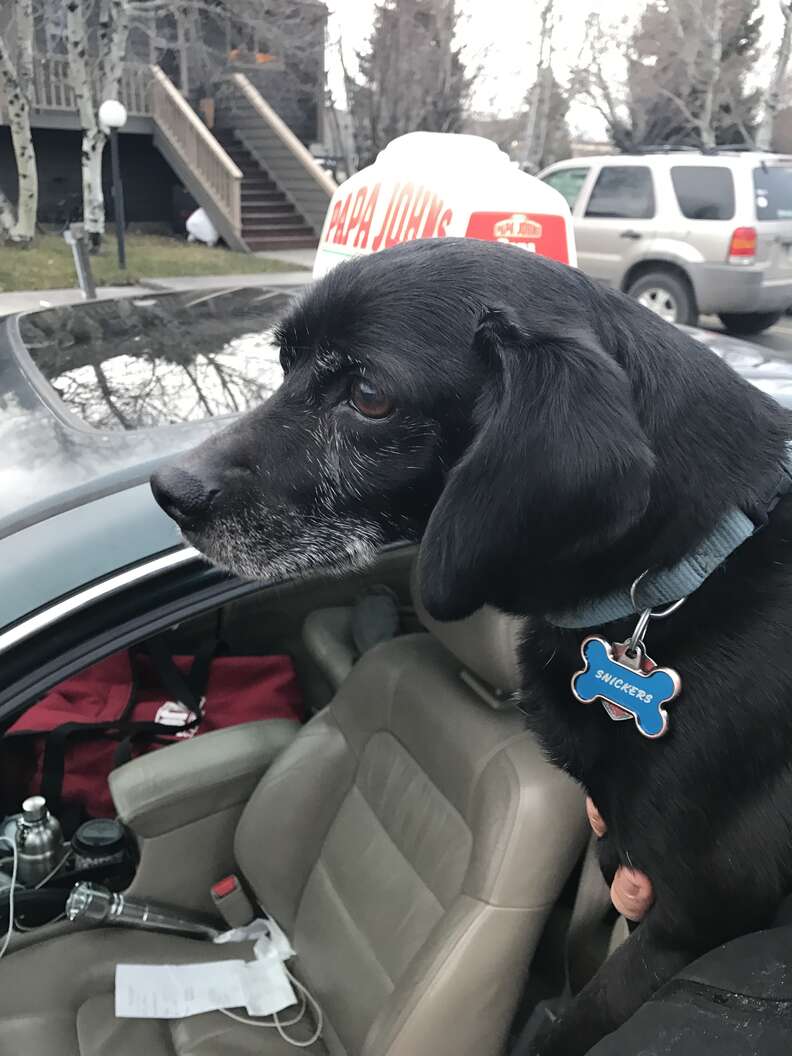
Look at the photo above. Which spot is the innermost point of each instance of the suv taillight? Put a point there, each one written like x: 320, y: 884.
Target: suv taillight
x: 742, y: 248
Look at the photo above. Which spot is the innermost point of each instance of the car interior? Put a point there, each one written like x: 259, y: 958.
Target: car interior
x: 430, y: 868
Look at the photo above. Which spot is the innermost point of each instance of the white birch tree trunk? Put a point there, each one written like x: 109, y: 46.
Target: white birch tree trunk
x: 17, y: 82
x: 93, y: 196
x: 114, y: 47
x: 93, y: 139
x: 112, y: 41
x: 764, y: 134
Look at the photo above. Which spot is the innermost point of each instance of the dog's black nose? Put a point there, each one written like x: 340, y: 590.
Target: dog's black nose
x: 182, y: 496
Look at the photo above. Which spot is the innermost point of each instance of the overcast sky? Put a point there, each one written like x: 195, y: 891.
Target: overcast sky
x: 502, y: 35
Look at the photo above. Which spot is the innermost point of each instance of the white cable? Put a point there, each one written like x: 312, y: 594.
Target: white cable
x: 306, y: 998
x: 11, y: 891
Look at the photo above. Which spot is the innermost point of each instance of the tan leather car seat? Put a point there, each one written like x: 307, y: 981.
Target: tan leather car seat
x: 411, y: 840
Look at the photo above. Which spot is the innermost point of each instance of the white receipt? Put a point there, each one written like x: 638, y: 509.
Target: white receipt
x: 267, y: 935
x: 174, y: 991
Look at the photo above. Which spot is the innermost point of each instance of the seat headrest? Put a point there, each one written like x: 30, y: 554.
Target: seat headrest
x: 487, y: 642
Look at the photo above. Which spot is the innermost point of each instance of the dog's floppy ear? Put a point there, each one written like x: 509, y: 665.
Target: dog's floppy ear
x: 558, y: 468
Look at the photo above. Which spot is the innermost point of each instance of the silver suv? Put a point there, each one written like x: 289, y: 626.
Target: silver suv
x: 686, y: 232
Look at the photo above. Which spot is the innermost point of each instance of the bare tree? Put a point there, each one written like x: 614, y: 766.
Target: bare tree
x: 412, y: 76
x: 764, y: 134
x: 698, y: 27
x: 593, y: 84
x: 686, y: 64
x: 92, y: 83
x: 539, y: 95
x: 17, y: 80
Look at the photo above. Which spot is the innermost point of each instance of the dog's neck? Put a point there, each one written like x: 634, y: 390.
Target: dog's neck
x: 665, y: 585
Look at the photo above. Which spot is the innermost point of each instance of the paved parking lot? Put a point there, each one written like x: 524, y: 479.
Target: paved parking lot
x: 777, y: 340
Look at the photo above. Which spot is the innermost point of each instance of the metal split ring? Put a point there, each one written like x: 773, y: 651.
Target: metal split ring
x: 636, y: 638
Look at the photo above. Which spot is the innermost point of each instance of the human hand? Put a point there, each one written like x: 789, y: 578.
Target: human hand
x: 631, y: 891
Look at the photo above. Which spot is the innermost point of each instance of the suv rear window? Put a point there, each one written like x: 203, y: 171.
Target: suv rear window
x: 704, y: 192
x: 773, y: 187
x: 623, y: 191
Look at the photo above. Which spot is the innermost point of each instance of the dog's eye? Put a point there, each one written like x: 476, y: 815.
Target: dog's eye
x: 368, y: 400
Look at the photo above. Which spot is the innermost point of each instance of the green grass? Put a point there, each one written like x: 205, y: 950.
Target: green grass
x: 48, y: 263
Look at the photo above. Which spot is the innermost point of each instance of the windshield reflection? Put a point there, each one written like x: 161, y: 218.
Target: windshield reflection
x: 142, y: 363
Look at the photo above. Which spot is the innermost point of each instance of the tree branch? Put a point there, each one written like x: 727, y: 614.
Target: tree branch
x: 694, y: 121
x: 748, y: 139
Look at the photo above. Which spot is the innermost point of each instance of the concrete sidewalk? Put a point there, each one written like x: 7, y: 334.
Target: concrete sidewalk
x: 303, y: 258
x: 224, y: 282
x: 32, y: 300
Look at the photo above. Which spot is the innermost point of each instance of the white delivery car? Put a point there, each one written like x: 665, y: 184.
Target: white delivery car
x: 433, y: 184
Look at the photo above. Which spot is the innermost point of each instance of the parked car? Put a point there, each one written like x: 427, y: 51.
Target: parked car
x: 91, y: 399
x: 687, y: 232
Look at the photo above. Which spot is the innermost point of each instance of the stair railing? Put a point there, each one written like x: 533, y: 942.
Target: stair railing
x: 190, y: 137
x: 284, y: 134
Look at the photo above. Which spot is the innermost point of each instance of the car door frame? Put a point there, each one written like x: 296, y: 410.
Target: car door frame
x: 645, y: 228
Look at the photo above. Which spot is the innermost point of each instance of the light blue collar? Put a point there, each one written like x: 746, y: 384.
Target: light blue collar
x: 670, y: 584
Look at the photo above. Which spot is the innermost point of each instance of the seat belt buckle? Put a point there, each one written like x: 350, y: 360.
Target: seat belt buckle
x: 231, y: 902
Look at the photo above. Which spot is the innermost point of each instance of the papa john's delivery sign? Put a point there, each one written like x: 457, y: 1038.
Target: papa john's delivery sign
x: 433, y: 184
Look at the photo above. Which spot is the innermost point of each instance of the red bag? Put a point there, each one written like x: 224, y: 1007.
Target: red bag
x: 136, y: 701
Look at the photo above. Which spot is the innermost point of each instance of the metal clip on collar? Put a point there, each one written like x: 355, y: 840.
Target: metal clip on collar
x: 637, y: 637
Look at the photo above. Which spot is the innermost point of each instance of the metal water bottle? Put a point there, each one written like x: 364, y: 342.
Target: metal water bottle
x: 39, y: 841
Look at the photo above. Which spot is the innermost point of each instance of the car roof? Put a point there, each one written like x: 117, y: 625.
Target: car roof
x: 59, y: 555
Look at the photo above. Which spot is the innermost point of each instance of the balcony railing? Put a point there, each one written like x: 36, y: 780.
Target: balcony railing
x: 52, y: 90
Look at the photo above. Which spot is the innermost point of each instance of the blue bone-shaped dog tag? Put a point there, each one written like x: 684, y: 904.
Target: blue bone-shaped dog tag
x: 640, y: 693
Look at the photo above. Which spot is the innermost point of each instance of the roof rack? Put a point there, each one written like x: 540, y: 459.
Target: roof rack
x: 736, y: 148
x: 682, y: 148
x: 664, y: 148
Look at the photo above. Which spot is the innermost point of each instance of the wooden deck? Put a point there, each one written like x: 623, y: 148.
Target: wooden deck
x: 54, y: 105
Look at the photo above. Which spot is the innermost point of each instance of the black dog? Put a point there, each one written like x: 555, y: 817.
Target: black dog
x: 549, y: 440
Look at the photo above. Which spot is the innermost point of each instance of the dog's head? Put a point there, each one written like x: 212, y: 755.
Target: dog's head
x: 451, y: 390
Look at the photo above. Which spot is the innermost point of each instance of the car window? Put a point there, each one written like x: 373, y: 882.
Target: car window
x: 142, y: 362
x: 623, y: 191
x: 568, y: 182
x: 704, y: 192
x: 773, y: 187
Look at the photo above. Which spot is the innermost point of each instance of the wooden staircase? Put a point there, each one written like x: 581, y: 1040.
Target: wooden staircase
x: 260, y: 186
x: 269, y: 219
